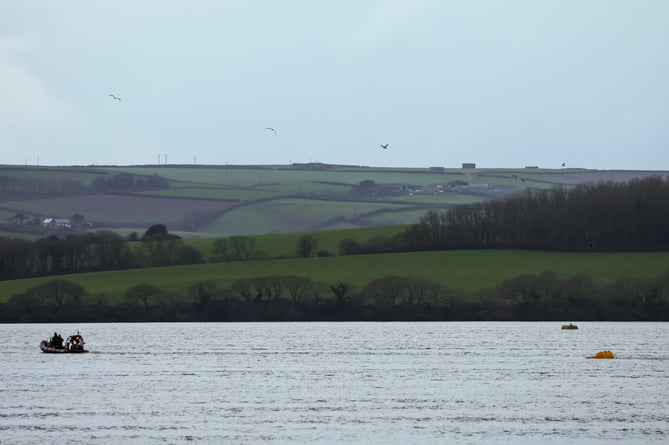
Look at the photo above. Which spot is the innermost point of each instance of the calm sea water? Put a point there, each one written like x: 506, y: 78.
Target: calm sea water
x: 371, y: 383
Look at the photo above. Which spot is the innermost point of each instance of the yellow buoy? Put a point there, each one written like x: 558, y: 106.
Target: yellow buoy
x: 569, y: 326
x: 604, y: 354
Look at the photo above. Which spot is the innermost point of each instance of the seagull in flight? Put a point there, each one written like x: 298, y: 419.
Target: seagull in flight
x: 384, y: 146
x: 563, y: 164
x: 271, y: 129
x: 115, y: 97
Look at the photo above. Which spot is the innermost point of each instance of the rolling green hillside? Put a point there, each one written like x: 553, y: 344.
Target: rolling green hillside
x: 279, y: 245
x: 196, y: 201
x: 465, y: 270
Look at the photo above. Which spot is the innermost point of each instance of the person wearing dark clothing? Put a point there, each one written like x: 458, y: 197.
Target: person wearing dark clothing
x: 56, y: 341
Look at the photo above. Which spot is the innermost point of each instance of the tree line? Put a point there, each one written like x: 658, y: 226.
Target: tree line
x: 607, y: 216
x: 391, y: 298
x: 120, y: 182
x: 629, y: 216
x: 604, y: 216
x: 95, y: 251
x: 105, y: 250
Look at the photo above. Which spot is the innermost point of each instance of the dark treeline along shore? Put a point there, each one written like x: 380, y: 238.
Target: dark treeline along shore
x: 526, y: 297
x: 631, y: 216
x: 604, y: 217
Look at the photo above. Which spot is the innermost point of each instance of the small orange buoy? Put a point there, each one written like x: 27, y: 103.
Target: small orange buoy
x: 604, y: 354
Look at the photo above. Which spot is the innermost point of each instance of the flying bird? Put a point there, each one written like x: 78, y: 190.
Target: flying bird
x: 384, y: 146
x: 271, y: 129
x: 115, y: 97
x: 563, y: 164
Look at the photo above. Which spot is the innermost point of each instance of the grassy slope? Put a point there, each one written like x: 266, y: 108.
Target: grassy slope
x: 245, y: 177
x: 249, y: 183
x: 85, y: 175
x: 244, y: 184
x: 466, y: 270
x: 283, y: 244
x: 289, y: 214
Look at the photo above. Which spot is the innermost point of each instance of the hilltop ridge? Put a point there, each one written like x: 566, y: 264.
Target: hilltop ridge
x: 222, y: 200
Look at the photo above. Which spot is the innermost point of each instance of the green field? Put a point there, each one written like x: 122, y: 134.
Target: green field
x: 85, y: 175
x: 284, y: 215
x: 249, y: 176
x: 197, y: 201
x: 396, y: 218
x: 442, y: 198
x: 464, y: 270
x: 235, y: 194
x: 283, y: 244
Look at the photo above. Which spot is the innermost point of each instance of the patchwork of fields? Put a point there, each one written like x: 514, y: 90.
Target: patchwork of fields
x: 198, y: 201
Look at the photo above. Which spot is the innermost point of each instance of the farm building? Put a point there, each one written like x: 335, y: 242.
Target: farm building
x: 57, y: 223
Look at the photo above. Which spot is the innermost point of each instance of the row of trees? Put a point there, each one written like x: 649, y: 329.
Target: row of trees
x: 276, y: 298
x: 121, y: 182
x: 95, y: 251
x: 12, y: 186
x: 106, y: 250
x: 243, y: 248
x: 608, y: 216
x: 103, y: 250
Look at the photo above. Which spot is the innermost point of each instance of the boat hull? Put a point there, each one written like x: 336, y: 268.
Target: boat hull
x: 44, y: 346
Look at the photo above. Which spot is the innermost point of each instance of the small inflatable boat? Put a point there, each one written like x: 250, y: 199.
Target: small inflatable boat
x: 74, y: 344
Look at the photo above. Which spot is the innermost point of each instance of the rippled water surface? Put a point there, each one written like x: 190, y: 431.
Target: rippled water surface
x: 372, y: 383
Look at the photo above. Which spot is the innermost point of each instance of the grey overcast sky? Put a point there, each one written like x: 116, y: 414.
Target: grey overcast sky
x: 502, y: 83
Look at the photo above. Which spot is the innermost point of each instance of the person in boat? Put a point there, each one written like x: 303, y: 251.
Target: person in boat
x: 75, y: 342
x: 57, y: 341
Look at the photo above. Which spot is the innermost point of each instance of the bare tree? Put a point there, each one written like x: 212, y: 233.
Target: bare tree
x: 246, y: 288
x: 144, y: 293
x: 270, y: 287
x: 306, y: 246
x: 60, y: 292
x: 299, y: 288
x: 202, y: 292
x: 341, y: 289
x: 236, y: 248
x: 160, y: 247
